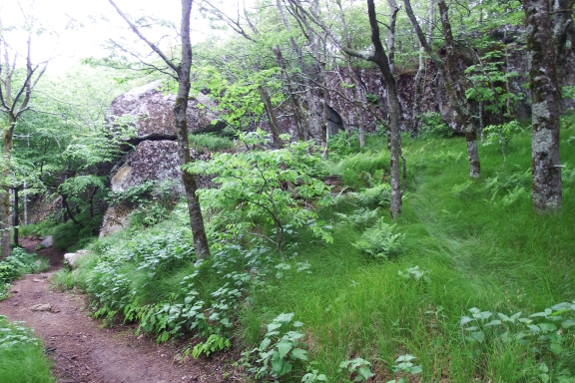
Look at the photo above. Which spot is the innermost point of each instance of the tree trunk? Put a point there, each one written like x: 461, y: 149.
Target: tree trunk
x: 5, y: 249
x: 417, y: 91
x: 453, y: 76
x: 274, y: 126
x: 380, y: 58
x: 25, y: 205
x: 180, y: 108
x: 16, y: 212
x: 301, y: 122
x: 546, y: 107
x: 459, y: 103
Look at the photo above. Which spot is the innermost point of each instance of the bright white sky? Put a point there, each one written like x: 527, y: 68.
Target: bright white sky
x: 82, y: 26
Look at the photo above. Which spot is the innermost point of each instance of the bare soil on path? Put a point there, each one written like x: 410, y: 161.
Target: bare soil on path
x: 83, y: 351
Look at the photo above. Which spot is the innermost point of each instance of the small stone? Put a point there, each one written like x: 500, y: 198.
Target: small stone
x: 162, y: 355
x: 41, y: 307
x: 37, y: 280
x: 47, y: 241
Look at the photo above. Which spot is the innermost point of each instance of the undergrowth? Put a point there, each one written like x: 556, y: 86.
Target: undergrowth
x: 20, y: 262
x: 386, y: 300
x: 22, y: 358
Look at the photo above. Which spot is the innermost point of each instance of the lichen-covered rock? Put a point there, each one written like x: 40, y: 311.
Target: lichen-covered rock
x: 155, y: 156
x: 151, y: 110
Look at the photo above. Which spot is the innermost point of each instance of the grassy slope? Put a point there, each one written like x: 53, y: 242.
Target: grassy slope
x: 477, y: 251
x: 477, y: 254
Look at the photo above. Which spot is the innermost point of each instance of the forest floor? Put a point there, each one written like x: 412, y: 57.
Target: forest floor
x: 83, y: 350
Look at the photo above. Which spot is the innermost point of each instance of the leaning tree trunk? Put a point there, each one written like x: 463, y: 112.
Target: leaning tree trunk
x: 380, y: 58
x: 200, y: 239
x: 274, y: 126
x: 417, y: 90
x: 5, y: 192
x: 459, y: 102
x: 546, y: 107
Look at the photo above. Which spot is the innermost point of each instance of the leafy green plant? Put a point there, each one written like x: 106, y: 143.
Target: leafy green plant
x: 214, y: 343
x: 360, y: 217
x: 314, y: 376
x: 432, y: 125
x: 546, y: 331
x: 278, y: 186
x: 378, y: 195
x: 501, y: 134
x: 380, y: 241
x: 19, y: 263
x: 359, y: 369
x: 279, y: 350
x: 405, y: 367
x: 415, y: 274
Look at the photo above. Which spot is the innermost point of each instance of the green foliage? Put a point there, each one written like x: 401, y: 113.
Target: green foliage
x: 19, y: 263
x: 358, y: 368
x: 490, y: 83
x: 21, y: 355
x: 344, y: 144
x: 415, y: 274
x: 380, y: 241
x: 501, y: 134
x: 214, y: 343
x: 211, y: 142
x: 363, y: 169
x: 405, y: 367
x: 432, y: 125
x: 545, y: 334
x: 371, y: 198
x: 360, y: 217
x: 268, y: 185
x: 279, y: 351
x: 66, y: 235
x: 239, y: 100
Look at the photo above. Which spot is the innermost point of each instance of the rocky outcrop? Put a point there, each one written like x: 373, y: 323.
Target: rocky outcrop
x: 153, y: 154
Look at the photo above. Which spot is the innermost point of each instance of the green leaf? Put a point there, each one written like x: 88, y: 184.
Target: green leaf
x: 265, y: 343
x: 365, y: 372
x: 556, y: 348
x: 283, y: 346
x: 478, y: 336
x: 299, y: 353
x: 494, y: 322
x: 568, y: 323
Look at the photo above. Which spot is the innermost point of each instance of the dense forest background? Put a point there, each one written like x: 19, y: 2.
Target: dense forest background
x: 395, y: 174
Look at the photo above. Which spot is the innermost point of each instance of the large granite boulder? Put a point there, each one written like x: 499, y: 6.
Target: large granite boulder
x: 151, y: 110
x: 153, y: 154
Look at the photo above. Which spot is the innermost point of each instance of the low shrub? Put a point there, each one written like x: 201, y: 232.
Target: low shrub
x: 363, y: 169
x: 380, y: 241
x: 432, y: 125
x: 19, y: 263
x: 66, y: 235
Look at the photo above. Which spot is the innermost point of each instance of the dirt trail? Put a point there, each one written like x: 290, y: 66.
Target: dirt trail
x: 85, y: 353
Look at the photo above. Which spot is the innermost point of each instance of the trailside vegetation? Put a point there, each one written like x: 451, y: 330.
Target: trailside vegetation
x: 455, y: 287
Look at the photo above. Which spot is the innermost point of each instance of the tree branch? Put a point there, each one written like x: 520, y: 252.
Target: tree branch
x: 144, y: 39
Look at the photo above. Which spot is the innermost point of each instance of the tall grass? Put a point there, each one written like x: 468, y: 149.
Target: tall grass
x: 479, y: 250
x: 477, y: 241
